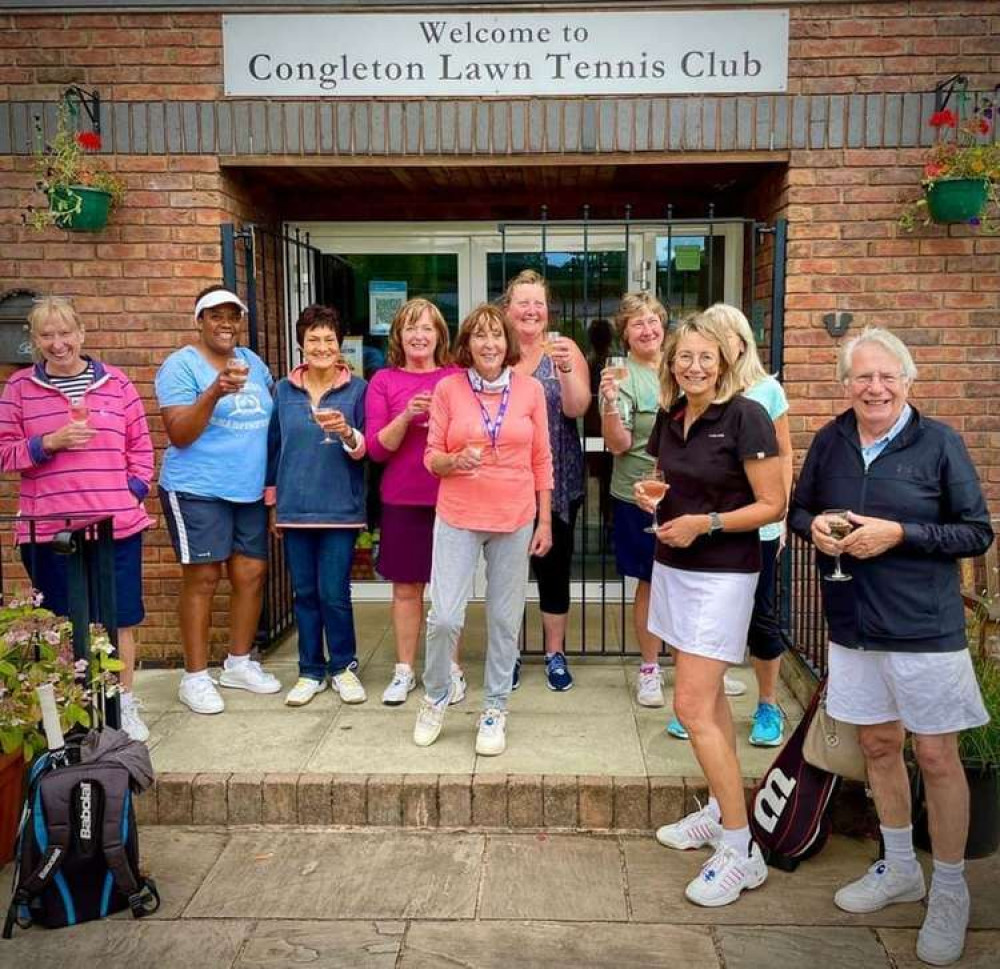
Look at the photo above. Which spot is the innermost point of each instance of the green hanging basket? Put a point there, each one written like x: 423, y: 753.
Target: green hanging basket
x: 956, y: 199
x: 79, y: 208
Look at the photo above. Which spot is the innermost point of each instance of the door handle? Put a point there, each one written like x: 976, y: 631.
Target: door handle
x: 642, y: 274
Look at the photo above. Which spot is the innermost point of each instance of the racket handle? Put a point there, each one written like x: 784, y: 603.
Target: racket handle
x: 50, y: 717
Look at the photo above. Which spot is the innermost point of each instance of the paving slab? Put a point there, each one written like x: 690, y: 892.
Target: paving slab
x: 241, y: 740
x: 380, y: 740
x: 794, y: 947
x: 322, y: 945
x: 599, y: 688
x: 486, y: 945
x: 158, y: 691
x: 557, y: 877
x: 982, y: 949
x: 350, y: 875
x: 553, y: 743
x: 208, y: 945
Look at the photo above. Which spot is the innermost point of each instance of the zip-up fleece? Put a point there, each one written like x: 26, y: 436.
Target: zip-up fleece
x: 110, y: 476
x: 908, y: 598
x: 315, y: 484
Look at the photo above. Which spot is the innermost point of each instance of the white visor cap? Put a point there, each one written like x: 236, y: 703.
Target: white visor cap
x: 218, y: 297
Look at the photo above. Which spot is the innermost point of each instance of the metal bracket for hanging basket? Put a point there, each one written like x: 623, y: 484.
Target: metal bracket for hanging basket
x: 90, y: 101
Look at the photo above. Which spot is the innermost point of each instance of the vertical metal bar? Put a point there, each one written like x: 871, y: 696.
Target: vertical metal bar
x: 670, y: 259
x: 253, y: 315
x: 752, y: 301
x: 710, y: 245
x: 102, y: 574
x: 583, y: 552
x: 228, y: 233
x: 778, y: 298
x: 503, y: 260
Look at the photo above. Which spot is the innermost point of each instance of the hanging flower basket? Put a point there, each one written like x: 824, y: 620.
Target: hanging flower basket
x: 79, y: 208
x: 951, y: 200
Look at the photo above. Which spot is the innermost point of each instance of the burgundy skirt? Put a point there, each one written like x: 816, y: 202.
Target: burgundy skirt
x: 404, y: 553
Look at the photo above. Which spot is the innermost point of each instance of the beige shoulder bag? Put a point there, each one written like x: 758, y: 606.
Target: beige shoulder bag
x: 832, y: 745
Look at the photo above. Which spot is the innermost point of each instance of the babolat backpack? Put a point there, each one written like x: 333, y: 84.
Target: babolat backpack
x: 790, y: 809
x: 78, y: 851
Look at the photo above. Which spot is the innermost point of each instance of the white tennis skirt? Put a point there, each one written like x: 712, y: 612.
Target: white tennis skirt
x: 705, y: 613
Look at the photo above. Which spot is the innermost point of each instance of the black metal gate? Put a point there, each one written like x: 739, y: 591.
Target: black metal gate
x: 277, y: 277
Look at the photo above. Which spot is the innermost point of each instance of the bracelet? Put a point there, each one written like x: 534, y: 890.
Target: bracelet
x: 568, y: 369
x: 608, y: 412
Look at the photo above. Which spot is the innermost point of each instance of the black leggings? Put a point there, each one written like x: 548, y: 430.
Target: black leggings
x: 552, y: 571
x: 764, y: 637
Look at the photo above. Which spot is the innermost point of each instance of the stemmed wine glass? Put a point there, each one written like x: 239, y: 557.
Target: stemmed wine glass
x: 654, y: 487
x: 323, y: 415
x: 840, y: 527
x: 619, y: 368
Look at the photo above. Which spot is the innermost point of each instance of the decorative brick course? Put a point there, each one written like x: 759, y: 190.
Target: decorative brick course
x: 314, y: 799
x: 420, y: 801
x: 524, y: 801
x: 454, y: 801
x: 559, y: 801
x: 277, y: 804
x: 596, y: 802
x: 489, y: 800
x: 209, y: 803
x: 349, y: 799
x: 385, y: 799
x: 174, y: 798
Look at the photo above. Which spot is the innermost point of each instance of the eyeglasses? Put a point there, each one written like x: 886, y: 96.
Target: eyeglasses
x: 885, y: 379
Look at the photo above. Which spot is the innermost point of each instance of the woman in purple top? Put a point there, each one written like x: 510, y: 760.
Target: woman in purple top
x: 397, y: 406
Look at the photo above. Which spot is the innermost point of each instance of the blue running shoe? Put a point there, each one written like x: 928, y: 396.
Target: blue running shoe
x: 676, y: 729
x: 768, y: 726
x: 557, y: 672
x: 516, y: 680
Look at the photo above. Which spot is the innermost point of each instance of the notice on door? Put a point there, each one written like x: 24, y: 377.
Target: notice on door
x: 509, y: 54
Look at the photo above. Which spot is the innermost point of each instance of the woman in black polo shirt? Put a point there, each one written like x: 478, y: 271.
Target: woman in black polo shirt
x: 719, y: 456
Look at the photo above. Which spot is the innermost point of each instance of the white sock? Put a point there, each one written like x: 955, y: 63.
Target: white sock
x: 234, y: 662
x: 200, y: 675
x: 948, y: 876
x: 899, y: 846
x: 713, y: 807
x: 738, y: 839
x: 403, y: 668
x: 455, y: 668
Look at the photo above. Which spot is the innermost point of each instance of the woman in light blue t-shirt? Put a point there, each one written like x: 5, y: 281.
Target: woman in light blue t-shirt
x: 215, y: 398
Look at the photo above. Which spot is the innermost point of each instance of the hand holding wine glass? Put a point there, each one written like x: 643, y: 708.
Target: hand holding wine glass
x: 330, y: 420
x: 839, y: 526
x: 651, y: 489
x: 237, y: 372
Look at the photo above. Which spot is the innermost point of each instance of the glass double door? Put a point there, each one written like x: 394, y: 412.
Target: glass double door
x: 368, y: 268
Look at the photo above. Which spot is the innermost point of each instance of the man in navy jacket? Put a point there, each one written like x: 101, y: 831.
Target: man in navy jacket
x: 899, y: 657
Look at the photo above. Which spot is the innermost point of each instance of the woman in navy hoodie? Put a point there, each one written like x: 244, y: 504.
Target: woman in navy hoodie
x: 317, y: 493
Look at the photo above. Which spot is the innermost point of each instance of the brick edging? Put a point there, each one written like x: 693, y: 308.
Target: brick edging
x: 501, y: 801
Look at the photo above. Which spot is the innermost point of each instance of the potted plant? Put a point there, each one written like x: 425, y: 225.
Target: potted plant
x: 36, y: 647
x: 81, y: 192
x: 962, y: 173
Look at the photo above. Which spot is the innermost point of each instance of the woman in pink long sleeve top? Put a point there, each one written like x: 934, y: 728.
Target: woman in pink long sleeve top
x: 75, y: 430
x: 489, y: 444
x: 396, y: 420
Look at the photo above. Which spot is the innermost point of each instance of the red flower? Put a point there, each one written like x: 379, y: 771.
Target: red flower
x: 933, y: 169
x: 982, y: 126
x: 90, y: 140
x: 943, y: 119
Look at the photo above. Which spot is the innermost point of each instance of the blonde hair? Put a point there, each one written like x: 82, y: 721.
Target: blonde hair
x: 883, y: 338
x: 483, y: 315
x: 47, y: 308
x: 747, y: 368
x: 526, y: 277
x: 710, y: 329
x: 636, y: 304
x: 408, y: 313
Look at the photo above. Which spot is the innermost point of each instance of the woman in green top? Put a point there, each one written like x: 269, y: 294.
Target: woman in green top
x: 628, y: 411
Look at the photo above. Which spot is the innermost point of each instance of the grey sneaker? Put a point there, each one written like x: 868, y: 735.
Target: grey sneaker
x: 881, y: 885
x: 942, y: 936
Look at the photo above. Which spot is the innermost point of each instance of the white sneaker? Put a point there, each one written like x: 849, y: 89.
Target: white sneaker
x: 457, y: 693
x: 880, y: 886
x: 700, y: 829
x: 249, y: 676
x: 492, y: 737
x: 726, y: 875
x: 649, y: 690
x: 403, y: 681
x: 199, y: 693
x: 430, y: 718
x: 942, y: 936
x: 304, y: 690
x: 732, y: 686
x: 131, y: 721
x: 347, y: 684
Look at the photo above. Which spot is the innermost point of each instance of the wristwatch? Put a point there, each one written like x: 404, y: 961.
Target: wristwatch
x: 714, y: 522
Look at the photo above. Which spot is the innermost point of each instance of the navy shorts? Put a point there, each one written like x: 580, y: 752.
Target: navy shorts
x: 634, y: 548
x: 48, y: 575
x: 205, y: 530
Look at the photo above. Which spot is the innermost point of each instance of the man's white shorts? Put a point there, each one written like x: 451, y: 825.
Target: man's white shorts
x: 931, y: 693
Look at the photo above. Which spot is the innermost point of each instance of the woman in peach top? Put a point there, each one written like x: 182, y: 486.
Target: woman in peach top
x: 488, y: 437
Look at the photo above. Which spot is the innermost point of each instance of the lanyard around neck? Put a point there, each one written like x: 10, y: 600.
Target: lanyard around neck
x: 492, y: 428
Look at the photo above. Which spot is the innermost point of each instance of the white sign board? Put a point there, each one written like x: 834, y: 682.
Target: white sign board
x: 509, y: 54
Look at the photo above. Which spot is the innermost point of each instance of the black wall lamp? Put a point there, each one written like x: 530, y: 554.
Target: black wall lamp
x: 837, y: 323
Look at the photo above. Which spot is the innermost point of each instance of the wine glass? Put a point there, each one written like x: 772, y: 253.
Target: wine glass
x: 78, y: 411
x: 238, y: 369
x: 477, y: 444
x: 323, y: 415
x: 550, y: 339
x: 619, y: 368
x: 840, y: 527
x: 654, y: 487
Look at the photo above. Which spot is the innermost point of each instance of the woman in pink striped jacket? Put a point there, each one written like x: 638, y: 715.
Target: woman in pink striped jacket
x: 76, y: 432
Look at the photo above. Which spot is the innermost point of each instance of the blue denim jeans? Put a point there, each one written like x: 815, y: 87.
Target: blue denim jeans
x: 319, y: 562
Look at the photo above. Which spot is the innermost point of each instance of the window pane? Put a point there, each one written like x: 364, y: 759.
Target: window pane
x: 683, y: 263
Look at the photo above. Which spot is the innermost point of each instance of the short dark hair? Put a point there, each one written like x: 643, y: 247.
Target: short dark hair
x: 317, y: 317
x: 486, y: 314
